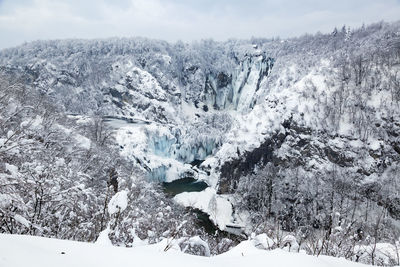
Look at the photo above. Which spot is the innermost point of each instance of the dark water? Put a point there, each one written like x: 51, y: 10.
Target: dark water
x: 184, y: 185
x: 203, y: 220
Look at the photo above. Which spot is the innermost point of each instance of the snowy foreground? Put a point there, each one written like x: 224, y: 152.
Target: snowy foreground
x: 19, y: 250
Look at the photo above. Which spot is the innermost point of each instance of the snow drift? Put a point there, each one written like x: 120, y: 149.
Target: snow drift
x: 23, y: 251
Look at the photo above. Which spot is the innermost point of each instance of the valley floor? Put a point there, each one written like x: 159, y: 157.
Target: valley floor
x: 31, y: 251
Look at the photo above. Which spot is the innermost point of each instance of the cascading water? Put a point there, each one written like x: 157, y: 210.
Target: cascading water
x: 180, y: 154
x: 237, y: 90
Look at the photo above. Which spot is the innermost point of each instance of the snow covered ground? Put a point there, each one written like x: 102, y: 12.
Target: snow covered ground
x: 217, y: 206
x: 32, y: 251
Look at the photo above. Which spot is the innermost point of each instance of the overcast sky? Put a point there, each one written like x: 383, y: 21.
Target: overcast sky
x: 171, y: 20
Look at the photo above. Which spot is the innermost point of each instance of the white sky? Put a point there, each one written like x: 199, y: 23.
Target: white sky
x: 171, y: 20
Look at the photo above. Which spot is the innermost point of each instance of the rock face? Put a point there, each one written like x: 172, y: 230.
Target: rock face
x: 232, y: 170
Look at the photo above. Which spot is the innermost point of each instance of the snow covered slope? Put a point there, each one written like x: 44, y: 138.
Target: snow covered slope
x: 301, y: 134
x: 24, y: 251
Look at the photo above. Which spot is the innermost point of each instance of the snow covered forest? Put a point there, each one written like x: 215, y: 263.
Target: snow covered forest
x: 288, y: 143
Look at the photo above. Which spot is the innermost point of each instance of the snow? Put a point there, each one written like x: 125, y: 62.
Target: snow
x: 167, y: 130
x: 83, y: 141
x: 60, y: 162
x: 218, y: 207
x: 290, y: 242
x: 12, y: 169
x: 263, y: 241
x: 32, y: 123
x: 118, y: 202
x: 10, y: 134
x: 375, y: 144
x: 103, y: 239
x: 36, y: 122
x: 165, y: 145
x: 22, y: 220
x: 5, y: 201
x: 132, y: 140
x: 23, y: 251
x: 176, y: 171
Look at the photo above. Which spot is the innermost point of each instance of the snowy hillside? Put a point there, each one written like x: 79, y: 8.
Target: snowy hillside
x: 297, y: 137
x: 22, y: 251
